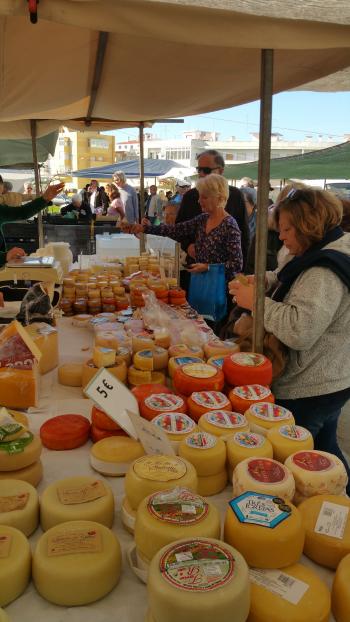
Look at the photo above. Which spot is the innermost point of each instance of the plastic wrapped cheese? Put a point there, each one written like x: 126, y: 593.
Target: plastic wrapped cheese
x: 264, y: 416
x: 263, y: 475
x: 317, y: 473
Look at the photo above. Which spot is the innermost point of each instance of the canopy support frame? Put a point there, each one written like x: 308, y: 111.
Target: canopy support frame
x: 37, y: 180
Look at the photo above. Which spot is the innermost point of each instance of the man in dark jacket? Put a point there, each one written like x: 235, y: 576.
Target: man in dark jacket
x: 97, y: 198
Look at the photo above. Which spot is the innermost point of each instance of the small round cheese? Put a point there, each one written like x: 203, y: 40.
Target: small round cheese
x: 198, y: 377
x: 177, y: 427
x: 128, y: 516
x: 317, y: 473
x: 205, y: 451
x: 242, y: 445
x: 222, y: 423
x: 32, y: 474
x: 70, y: 374
x: 264, y: 416
x: 160, y: 403
x: 101, y: 420
x: 178, y: 361
x: 219, y: 348
x: 245, y: 396
x: 341, y: 592
x: 19, y: 505
x: 212, y: 484
x: 244, y: 368
x: 113, y: 456
x: 182, y: 349
x: 287, y: 439
x: 65, y: 432
x: 263, y: 475
x: 201, y: 402
x: 119, y: 370
x: 154, y: 359
x: 15, y: 564
x: 20, y: 453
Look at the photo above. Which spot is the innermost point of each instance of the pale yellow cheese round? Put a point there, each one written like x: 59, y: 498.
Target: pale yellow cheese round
x: 19, y: 505
x: 341, y: 591
x: 70, y: 374
x: 113, y: 455
x: 212, y: 484
x: 142, y: 342
x: 76, y: 498
x: 205, y: 451
x: 32, y: 474
x: 72, y: 577
x: 223, y: 423
x: 30, y: 453
x: 287, y: 439
x: 242, y: 445
x: 154, y: 473
x: 264, y: 416
x: 317, y: 472
x: 118, y: 370
x: 176, y: 426
x: 128, y: 516
x: 15, y: 564
x: 263, y: 475
x: 154, y: 359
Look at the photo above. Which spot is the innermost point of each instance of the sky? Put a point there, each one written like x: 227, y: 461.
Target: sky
x: 294, y: 114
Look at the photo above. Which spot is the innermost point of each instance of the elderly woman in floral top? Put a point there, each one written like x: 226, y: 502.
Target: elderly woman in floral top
x: 216, y: 233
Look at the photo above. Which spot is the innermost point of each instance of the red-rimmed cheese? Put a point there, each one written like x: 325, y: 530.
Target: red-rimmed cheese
x: 97, y: 434
x: 263, y: 475
x: 317, y: 473
x: 144, y: 390
x: 101, y: 420
x: 243, y: 397
x: 176, y: 426
x: 198, y: 377
x: 264, y: 416
x: 223, y: 423
x: 65, y: 432
x: 247, y: 368
x: 201, y: 402
x: 159, y: 403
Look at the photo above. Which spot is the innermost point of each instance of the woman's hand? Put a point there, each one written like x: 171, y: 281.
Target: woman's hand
x: 15, y: 253
x: 243, y: 295
x: 198, y: 267
x: 191, y: 251
x: 145, y: 222
x: 135, y: 228
x: 52, y: 191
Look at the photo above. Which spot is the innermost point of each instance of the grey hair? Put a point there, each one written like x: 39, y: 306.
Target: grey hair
x: 121, y: 176
x: 218, y: 159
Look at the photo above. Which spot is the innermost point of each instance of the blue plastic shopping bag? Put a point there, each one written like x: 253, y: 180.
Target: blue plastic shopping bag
x: 207, y: 293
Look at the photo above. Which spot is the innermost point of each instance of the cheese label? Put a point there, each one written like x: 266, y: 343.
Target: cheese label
x: 146, y: 354
x: 266, y: 471
x: 278, y: 582
x: 225, y: 419
x: 201, y: 440
x: 184, y: 360
x: 252, y: 392
x: 270, y: 412
x: 260, y: 509
x: 174, y: 423
x: 178, y: 506
x: 82, y: 494
x: 17, y: 445
x: 5, y: 545
x: 332, y: 520
x: 210, y: 399
x: 164, y: 402
x: 312, y: 461
x: 218, y: 361
x: 294, y: 432
x: 247, y: 359
x: 249, y: 440
x: 197, y: 566
x: 199, y: 370
x: 160, y: 468
x: 74, y: 541
x: 14, y: 502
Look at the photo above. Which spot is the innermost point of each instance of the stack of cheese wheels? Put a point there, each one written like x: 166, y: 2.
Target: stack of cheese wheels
x: 76, y: 498
x: 151, y: 360
x: 113, y: 456
x: 138, y: 376
x: 242, y: 445
x: 178, y: 361
x: 245, y: 396
x: 65, y: 432
x: 15, y: 564
x: 159, y: 403
x: 20, y: 450
x: 223, y: 423
x: 201, y: 402
x: 316, y: 473
x: 198, y: 377
x: 221, y: 589
x: 118, y: 369
x: 142, y: 341
x: 207, y: 453
x: 171, y: 515
x: 244, y: 368
x: 176, y: 426
x: 215, y: 347
x: 182, y: 349
x: 263, y: 475
x: 341, y: 592
x: 266, y: 529
x: 76, y: 563
x: 103, y: 426
x: 19, y: 505
x: 287, y: 439
x: 264, y: 416
x: 326, y: 520
x: 294, y: 594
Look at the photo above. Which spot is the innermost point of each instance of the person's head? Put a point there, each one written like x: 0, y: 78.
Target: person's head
x: 249, y: 196
x: 109, y: 189
x: 93, y: 185
x: 345, y: 223
x: 210, y: 161
x: 153, y: 190
x: 247, y: 182
x: 168, y: 194
x: 119, y: 178
x: 170, y: 212
x: 304, y: 216
x: 28, y: 188
x: 8, y: 186
x: 213, y: 193
x: 115, y: 194
x: 182, y: 186
x: 76, y: 201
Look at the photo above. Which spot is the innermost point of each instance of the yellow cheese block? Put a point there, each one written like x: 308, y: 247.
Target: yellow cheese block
x: 46, y: 339
x: 15, y: 564
x: 212, y: 484
x: 142, y: 342
x: 242, y: 445
x: 341, y: 592
x: 19, y: 387
x: 70, y: 374
x: 137, y: 376
x: 205, y: 451
x: 113, y: 455
x: 32, y: 474
x: 103, y: 357
x: 20, y: 453
x: 19, y: 505
x: 287, y: 439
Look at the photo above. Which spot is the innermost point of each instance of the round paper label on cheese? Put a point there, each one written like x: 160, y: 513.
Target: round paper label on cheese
x: 266, y: 471
x: 199, y: 370
x: 312, y: 461
x: 179, y: 506
x: 160, y: 468
x: 270, y: 412
x: 146, y: 354
x: 294, y: 432
x: 225, y: 419
x: 197, y: 566
x: 252, y: 392
x: 201, y: 440
x: 174, y: 423
x: 249, y: 440
x: 210, y: 399
x: 248, y: 359
x: 164, y: 402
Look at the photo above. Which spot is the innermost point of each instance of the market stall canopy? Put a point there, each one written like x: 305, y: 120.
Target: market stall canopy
x: 19, y: 153
x: 91, y: 59
x: 131, y: 168
x: 330, y: 163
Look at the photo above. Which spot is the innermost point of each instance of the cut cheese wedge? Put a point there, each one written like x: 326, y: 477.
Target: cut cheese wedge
x: 17, y: 348
x: 205, y: 451
x: 223, y: 423
x: 19, y: 505
x: 317, y: 473
x: 341, y: 592
x: 45, y: 338
x: 263, y: 475
x: 245, y: 396
x: 264, y: 416
x: 287, y: 439
x: 15, y: 564
x: 113, y: 456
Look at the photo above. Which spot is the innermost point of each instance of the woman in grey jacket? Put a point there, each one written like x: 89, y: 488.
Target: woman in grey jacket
x: 309, y: 312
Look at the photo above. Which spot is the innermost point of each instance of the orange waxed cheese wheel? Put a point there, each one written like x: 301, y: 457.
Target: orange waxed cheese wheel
x: 101, y: 420
x: 144, y: 390
x: 243, y: 397
x: 247, y: 368
x: 198, y: 377
x: 65, y: 432
x: 201, y: 402
x: 158, y: 403
x: 97, y: 434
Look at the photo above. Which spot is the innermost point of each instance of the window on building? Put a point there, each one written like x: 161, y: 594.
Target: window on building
x: 98, y: 143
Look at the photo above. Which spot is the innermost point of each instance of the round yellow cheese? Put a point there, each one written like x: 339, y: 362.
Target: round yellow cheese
x: 76, y: 563
x: 287, y: 439
x: 263, y: 475
x: 20, y: 453
x: 216, y: 347
x: 32, y: 474
x: 19, y: 505
x: 177, y: 361
x: 317, y: 472
x: 154, y: 359
x: 223, y: 423
x: 205, y: 451
x: 138, y: 376
x: 212, y: 484
x: 76, y: 498
x: 70, y: 374
x: 142, y: 342
x: 242, y: 445
x: 341, y: 592
x: 265, y: 415
x: 113, y: 455
x: 15, y: 564
x: 176, y: 426
x: 128, y: 516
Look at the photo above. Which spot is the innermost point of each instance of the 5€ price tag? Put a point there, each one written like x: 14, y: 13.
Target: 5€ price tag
x: 153, y: 439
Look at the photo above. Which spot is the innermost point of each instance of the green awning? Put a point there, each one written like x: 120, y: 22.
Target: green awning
x: 18, y: 153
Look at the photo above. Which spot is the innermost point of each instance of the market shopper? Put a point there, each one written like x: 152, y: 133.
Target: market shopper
x: 309, y: 312
x: 129, y: 197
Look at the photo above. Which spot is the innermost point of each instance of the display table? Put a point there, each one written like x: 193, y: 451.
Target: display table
x: 128, y: 601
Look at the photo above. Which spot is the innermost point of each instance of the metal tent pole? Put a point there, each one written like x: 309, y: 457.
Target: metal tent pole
x: 37, y: 180
x: 142, y: 184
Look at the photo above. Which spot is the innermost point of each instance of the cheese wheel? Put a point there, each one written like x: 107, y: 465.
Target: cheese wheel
x: 159, y: 403
x: 154, y: 473
x: 119, y: 370
x: 97, y: 434
x: 145, y: 390
x: 113, y: 456
x: 76, y: 498
x: 65, y: 432
x: 223, y: 423
x: 32, y: 474
x: 198, y: 377
x: 216, y: 347
x: 266, y: 529
x: 287, y: 439
x: 15, y: 564
x: 178, y: 361
x: 182, y: 349
x: 296, y: 594
x: 155, y: 359
x: 124, y: 354
x: 217, y: 360
x: 221, y: 586
x: 101, y: 420
x: 242, y: 445
x: 212, y: 484
x: 137, y: 376
x: 128, y: 516
x: 177, y: 427
x: 142, y: 342
x: 201, y: 402
x: 326, y: 520
x: 70, y: 374
x: 263, y: 475
x: 162, y: 338
x: 205, y: 451
x: 264, y: 416
x: 20, y: 453
x: 340, y: 591
x: 76, y: 563
x: 243, y: 397
x: 108, y: 339
x: 82, y: 320
x: 244, y: 368
x: 19, y: 505
x: 317, y: 473
x: 103, y: 357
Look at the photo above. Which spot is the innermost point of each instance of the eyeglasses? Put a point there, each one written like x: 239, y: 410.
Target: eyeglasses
x: 299, y: 194
x: 206, y: 169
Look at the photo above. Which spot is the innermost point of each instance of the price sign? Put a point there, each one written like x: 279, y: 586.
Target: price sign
x: 153, y: 439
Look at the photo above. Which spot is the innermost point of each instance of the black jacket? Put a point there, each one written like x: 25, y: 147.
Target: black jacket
x: 102, y: 199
